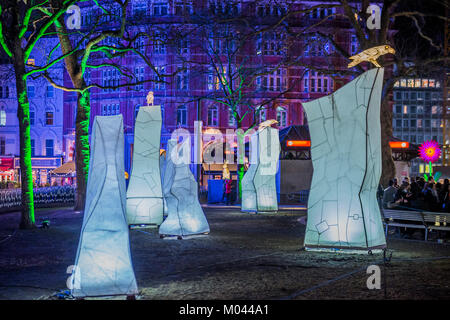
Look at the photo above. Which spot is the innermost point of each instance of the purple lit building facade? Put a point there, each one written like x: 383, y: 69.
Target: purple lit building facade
x: 183, y: 96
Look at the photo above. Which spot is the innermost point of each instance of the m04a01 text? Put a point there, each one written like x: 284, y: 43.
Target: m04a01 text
x: 245, y: 309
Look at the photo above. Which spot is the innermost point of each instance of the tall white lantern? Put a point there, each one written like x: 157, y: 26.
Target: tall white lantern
x: 184, y: 213
x: 259, y: 192
x: 144, y: 194
x: 103, y: 265
x: 343, y: 211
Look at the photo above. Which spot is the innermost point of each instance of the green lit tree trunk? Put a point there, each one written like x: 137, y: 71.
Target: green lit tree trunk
x: 27, y: 220
x: 82, y: 147
x: 73, y: 68
x: 240, y: 161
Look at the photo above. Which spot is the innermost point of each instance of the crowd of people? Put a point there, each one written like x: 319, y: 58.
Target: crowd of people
x: 417, y: 194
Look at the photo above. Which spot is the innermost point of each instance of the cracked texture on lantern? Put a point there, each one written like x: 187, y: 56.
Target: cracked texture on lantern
x: 103, y: 265
x: 345, y: 134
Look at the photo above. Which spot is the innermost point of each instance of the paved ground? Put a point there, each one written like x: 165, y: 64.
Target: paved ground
x: 244, y: 257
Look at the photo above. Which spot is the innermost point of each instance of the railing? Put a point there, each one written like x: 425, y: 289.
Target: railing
x: 10, y: 199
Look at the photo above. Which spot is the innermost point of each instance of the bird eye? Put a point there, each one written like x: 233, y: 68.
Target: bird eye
x: 387, y: 47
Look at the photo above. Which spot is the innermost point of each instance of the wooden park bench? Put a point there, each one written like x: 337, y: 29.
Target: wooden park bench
x: 392, y: 217
x: 419, y: 220
x: 437, y: 220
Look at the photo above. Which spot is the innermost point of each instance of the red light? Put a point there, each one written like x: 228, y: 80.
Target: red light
x: 298, y: 143
x: 399, y: 144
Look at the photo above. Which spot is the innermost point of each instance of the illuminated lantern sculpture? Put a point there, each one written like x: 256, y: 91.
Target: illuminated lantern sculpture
x: 184, y: 213
x: 103, y: 265
x: 430, y: 152
x: 259, y: 193
x: 343, y: 211
x: 144, y: 194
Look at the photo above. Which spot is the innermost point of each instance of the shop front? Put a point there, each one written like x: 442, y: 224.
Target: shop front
x: 41, y: 169
x: 6, y: 169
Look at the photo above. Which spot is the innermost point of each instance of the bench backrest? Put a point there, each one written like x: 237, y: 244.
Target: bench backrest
x: 433, y: 217
x: 403, y: 215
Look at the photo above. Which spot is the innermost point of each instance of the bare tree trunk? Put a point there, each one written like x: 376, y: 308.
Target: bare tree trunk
x: 27, y: 220
x: 388, y: 171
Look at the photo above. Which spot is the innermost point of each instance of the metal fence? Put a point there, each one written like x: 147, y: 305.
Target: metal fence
x: 10, y: 199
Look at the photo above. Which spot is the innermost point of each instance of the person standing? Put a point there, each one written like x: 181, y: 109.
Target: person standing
x: 228, y: 191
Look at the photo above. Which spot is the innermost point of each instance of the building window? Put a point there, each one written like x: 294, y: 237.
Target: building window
x: 139, y: 9
x: 281, y: 116
x: 49, y: 118
x: 271, y: 43
x: 159, y: 83
x: 183, y: 46
x: 316, y: 82
x: 420, y: 109
x: 50, y: 91
x: 32, y: 117
x: 219, y: 8
x: 2, y: 117
x: 49, y: 148
x: 213, y: 116
x: 181, y: 115
x: 182, y: 80
x: 434, y: 110
x: 262, y: 114
x: 30, y: 91
x: 183, y: 8
x: 33, y: 147
x: 275, y: 81
x: 231, y: 119
x: 398, y: 123
x: 159, y: 44
x: 110, y: 109
x: 2, y: 146
x: 160, y: 8
x: 139, y: 74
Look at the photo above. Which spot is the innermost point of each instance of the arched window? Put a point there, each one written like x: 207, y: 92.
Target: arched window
x: 281, y: 116
x: 213, y: 116
x: 262, y: 114
x: 181, y: 115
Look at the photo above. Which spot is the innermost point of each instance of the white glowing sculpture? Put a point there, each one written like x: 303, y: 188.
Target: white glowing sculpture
x: 185, y: 215
x: 144, y: 194
x: 259, y: 191
x: 103, y: 264
x: 346, y: 153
